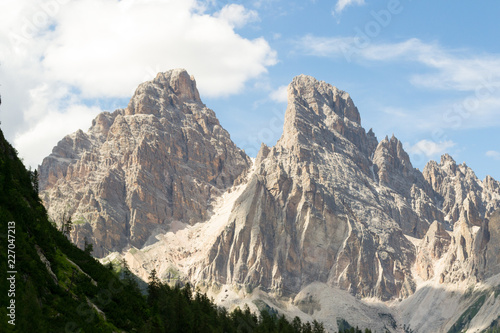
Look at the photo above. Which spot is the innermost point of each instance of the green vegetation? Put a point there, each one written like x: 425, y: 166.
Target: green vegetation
x: 467, y: 316
x: 345, y: 327
x: 43, y: 304
x: 497, y: 291
x: 80, y: 220
x: 469, y: 292
x: 175, y: 309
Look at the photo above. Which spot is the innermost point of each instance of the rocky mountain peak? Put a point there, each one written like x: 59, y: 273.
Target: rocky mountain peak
x: 174, y: 88
x: 447, y: 159
x: 448, y: 163
x: 163, y: 159
x: 462, y: 194
x: 327, y: 206
x: 322, y: 98
x: 395, y: 148
x: 391, y: 160
x: 321, y: 117
x: 492, y: 184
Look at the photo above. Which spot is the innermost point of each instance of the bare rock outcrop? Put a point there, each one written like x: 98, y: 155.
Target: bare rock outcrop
x: 410, y: 201
x: 460, y: 193
x: 328, y: 204
x: 462, y: 245
x: 162, y: 159
x: 311, y: 211
x: 435, y: 244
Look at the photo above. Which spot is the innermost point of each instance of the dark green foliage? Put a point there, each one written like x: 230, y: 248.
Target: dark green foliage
x: 66, y: 225
x: 43, y: 305
x: 492, y: 330
x: 88, y: 248
x: 345, y: 327
x: 467, y: 316
x: 182, y: 310
x: 34, y: 180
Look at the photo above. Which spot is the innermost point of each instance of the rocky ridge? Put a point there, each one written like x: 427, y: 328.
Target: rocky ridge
x: 162, y: 159
x: 329, y: 207
x: 311, y: 211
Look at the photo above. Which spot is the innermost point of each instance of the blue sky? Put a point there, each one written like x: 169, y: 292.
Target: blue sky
x: 400, y: 95
x: 427, y: 72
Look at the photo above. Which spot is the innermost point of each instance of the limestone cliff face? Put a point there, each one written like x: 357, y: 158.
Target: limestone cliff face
x: 414, y: 207
x: 328, y: 204
x: 164, y: 158
x: 465, y: 240
x: 460, y: 192
x: 312, y: 210
x: 459, y: 255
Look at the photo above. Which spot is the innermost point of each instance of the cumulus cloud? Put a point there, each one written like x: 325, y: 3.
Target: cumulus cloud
x: 455, y: 70
x: 279, y: 95
x: 429, y: 148
x: 37, y: 142
x: 237, y: 15
x: 476, y: 77
x: 342, y: 4
x: 493, y: 154
x: 61, y: 53
x: 114, y: 49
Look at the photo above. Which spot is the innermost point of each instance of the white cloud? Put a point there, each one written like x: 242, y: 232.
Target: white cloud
x: 237, y: 16
x: 279, y: 95
x: 114, y: 49
x: 454, y: 70
x: 342, y: 4
x: 493, y: 154
x: 58, y: 53
x: 476, y: 77
x: 429, y: 148
x: 37, y: 142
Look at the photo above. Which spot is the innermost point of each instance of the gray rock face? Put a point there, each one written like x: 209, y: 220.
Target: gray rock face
x: 415, y: 208
x: 492, y: 257
x: 162, y: 159
x: 436, y: 243
x: 469, y: 248
x: 460, y: 192
x: 328, y: 204
x: 312, y: 211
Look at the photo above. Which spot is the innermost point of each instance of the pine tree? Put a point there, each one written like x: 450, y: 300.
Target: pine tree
x: 66, y: 224
x: 88, y: 247
x: 35, y: 180
x: 318, y: 327
x: 297, y: 324
x: 153, y: 288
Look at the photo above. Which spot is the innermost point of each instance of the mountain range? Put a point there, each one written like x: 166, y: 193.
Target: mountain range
x: 329, y: 224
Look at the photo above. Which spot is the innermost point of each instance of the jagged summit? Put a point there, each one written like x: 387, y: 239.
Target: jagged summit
x: 172, y: 89
x: 315, y: 110
x: 322, y: 118
x: 318, y: 94
x: 164, y: 158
